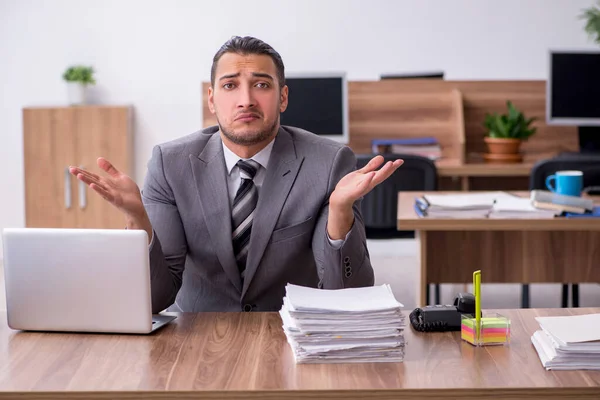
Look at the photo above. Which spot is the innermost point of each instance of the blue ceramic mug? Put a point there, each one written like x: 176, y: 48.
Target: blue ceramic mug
x: 569, y: 183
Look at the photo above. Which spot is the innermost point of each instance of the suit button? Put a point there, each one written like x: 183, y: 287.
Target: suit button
x: 348, y: 274
x: 346, y: 259
x: 348, y: 269
x: 247, y: 307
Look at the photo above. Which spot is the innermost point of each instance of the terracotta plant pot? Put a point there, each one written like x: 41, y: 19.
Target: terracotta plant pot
x: 503, y: 150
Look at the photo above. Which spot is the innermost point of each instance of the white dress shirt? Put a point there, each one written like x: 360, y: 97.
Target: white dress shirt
x: 233, y: 171
x: 262, y: 158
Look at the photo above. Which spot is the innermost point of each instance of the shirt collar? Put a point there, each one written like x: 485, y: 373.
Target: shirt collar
x: 262, y: 157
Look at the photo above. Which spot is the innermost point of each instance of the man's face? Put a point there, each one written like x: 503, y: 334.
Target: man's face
x: 246, y: 98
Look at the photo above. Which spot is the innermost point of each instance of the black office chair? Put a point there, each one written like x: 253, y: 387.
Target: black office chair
x: 590, y: 166
x: 380, y: 206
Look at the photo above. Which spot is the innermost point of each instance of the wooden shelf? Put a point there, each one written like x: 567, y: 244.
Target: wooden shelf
x: 57, y: 137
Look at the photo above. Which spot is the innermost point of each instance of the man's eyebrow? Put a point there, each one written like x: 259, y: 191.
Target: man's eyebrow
x: 262, y: 75
x: 229, y: 76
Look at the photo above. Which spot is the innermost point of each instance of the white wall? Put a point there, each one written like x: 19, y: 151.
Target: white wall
x: 155, y: 54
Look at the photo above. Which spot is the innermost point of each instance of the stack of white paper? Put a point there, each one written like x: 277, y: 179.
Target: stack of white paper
x: 462, y: 205
x: 568, y: 343
x: 518, y: 208
x: 345, y: 325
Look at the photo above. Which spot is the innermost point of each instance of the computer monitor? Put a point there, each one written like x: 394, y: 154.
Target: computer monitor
x: 318, y: 102
x: 413, y: 75
x: 573, y: 94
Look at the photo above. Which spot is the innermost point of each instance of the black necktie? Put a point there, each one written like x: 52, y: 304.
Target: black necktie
x: 242, y: 212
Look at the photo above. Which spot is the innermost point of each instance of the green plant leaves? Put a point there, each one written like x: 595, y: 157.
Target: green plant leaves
x: 592, y: 26
x: 81, y: 74
x: 512, y: 125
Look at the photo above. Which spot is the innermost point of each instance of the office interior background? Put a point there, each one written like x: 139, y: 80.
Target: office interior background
x: 154, y: 56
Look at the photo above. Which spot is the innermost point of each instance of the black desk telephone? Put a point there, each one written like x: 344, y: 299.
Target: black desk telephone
x: 443, y: 318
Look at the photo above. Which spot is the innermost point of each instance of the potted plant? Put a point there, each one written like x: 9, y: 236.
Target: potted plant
x: 78, y: 77
x: 592, y: 26
x: 506, y: 132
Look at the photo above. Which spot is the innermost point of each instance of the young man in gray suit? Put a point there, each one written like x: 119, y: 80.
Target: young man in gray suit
x: 236, y: 211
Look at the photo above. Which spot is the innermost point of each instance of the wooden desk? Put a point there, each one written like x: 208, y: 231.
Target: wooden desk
x: 245, y: 355
x: 557, y: 250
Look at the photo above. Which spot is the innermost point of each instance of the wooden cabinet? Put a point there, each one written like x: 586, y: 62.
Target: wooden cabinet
x: 55, y: 138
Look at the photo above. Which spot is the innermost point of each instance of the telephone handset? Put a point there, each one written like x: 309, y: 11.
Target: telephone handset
x: 441, y: 318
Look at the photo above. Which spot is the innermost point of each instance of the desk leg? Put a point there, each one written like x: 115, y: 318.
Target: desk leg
x: 464, y: 181
x: 422, y: 299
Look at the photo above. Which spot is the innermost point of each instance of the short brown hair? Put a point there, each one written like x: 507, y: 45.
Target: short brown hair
x: 249, y: 45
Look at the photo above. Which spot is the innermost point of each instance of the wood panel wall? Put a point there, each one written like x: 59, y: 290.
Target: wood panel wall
x: 379, y: 112
x: 409, y: 108
x: 479, y: 98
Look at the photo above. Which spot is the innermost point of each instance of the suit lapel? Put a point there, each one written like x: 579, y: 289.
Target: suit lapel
x: 210, y: 175
x: 282, y: 170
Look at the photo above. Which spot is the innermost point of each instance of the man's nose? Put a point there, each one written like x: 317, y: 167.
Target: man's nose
x: 246, y: 99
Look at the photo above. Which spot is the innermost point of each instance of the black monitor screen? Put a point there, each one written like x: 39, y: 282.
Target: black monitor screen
x: 316, y: 104
x: 575, y: 85
x: 416, y: 75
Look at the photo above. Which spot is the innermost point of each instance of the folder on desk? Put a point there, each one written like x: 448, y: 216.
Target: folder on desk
x: 594, y: 214
x: 512, y: 207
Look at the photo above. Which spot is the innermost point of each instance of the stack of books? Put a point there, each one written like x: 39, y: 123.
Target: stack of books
x: 568, y: 343
x: 547, y: 200
x: 425, y: 147
x: 343, y: 326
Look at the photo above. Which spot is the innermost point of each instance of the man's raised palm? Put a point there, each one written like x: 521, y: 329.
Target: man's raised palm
x: 116, y: 187
x: 360, y: 182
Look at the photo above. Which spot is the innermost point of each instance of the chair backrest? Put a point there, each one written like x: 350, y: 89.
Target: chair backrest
x: 380, y: 206
x: 590, y: 166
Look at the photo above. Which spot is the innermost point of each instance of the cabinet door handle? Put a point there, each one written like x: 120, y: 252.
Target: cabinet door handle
x: 67, y: 188
x: 82, y: 193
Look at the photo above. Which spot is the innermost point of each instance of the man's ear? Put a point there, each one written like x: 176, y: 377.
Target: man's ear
x: 211, y: 103
x: 283, y: 99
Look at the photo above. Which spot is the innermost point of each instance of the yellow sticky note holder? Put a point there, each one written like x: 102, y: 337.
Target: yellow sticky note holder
x: 494, y: 329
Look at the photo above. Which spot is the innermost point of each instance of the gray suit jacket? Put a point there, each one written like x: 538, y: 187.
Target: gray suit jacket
x: 191, y: 255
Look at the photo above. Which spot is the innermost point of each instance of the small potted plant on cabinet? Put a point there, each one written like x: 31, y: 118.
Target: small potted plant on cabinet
x: 505, y: 133
x: 591, y: 16
x: 78, y: 77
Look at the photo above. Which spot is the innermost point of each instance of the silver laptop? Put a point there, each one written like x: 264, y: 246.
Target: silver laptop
x: 79, y: 280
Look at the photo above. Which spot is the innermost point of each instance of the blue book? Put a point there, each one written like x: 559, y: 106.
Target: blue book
x: 420, y: 211
x: 407, y: 141
x: 594, y: 214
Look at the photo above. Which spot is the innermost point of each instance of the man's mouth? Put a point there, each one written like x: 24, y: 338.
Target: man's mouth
x: 247, y: 117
